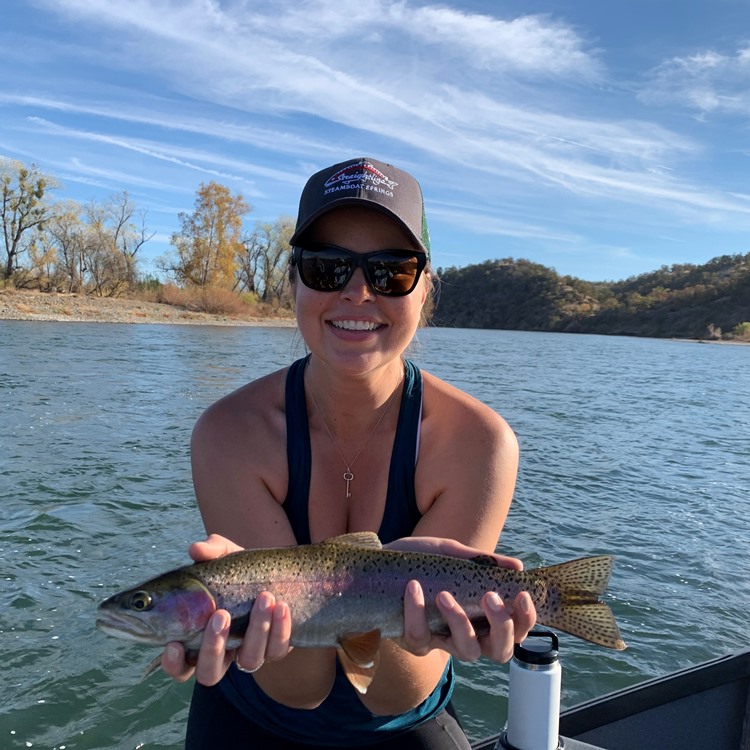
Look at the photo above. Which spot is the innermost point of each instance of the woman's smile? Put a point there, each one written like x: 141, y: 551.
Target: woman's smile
x: 355, y: 325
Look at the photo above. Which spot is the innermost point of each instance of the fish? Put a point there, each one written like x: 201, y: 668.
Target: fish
x: 347, y: 593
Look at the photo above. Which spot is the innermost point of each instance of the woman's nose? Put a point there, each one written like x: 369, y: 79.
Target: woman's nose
x: 358, y: 290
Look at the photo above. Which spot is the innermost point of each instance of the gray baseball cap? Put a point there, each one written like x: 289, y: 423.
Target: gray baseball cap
x: 365, y: 182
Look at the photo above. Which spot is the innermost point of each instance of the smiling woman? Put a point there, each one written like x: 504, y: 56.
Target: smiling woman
x: 352, y: 438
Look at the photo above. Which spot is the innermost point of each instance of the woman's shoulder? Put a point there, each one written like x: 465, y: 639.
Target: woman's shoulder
x: 457, y: 424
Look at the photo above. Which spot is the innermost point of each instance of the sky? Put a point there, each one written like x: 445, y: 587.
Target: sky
x: 601, y: 139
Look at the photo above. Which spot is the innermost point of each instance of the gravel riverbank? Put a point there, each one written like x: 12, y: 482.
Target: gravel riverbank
x: 25, y: 305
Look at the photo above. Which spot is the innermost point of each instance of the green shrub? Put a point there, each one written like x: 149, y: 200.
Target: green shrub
x: 741, y: 332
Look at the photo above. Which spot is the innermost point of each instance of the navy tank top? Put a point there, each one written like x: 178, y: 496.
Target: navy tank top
x: 342, y: 720
x: 401, y: 513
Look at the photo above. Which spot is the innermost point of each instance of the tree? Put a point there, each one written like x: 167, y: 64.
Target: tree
x: 113, y: 242
x: 65, y: 236
x: 210, y: 238
x: 22, y: 209
x: 127, y: 237
x: 264, y: 259
x: 92, y: 248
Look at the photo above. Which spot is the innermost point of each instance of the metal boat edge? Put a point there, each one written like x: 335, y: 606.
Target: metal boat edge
x: 703, y: 707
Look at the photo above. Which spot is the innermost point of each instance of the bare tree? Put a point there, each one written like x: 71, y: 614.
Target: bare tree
x: 65, y: 235
x: 127, y: 236
x: 264, y: 259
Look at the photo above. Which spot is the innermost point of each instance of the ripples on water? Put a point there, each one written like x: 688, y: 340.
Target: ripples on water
x: 633, y: 446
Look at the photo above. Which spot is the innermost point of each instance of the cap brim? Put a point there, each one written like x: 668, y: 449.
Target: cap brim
x: 354, y: 201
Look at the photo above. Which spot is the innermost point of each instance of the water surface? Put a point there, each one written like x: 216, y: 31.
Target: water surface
x: 635, y: 447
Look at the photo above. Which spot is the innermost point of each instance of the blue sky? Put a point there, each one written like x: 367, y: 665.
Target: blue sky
x: 603, y: 139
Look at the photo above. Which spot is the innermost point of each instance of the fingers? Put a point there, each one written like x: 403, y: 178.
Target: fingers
x: 417, y: 636
x: 213, y: 658
x: 268, y: 634
x: 498, y: 643
x: 508, y: 625
x: 463, y: 636
x: 252, y: 653
x: 450, y: 548
x: 214, y: 546
x: 524, y: 615
x: 462, y: 641
x: 267, y: 639
x: 173, y: 662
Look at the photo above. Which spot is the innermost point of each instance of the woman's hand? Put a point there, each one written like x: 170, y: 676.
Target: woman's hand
x: 266, y: 639
x: 508, y: 625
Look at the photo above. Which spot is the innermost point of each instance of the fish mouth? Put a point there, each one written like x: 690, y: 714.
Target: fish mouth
x: 130, y: 628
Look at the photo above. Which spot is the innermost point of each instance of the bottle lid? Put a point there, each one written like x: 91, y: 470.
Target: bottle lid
x: 540, y: 647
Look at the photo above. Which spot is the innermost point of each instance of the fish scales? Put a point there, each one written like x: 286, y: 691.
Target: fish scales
x: 347, y: 593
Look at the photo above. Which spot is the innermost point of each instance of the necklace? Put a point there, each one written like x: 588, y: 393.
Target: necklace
x: 348, y: 476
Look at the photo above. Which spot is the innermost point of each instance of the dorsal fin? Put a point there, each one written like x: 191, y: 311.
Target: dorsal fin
x: 366, y: 539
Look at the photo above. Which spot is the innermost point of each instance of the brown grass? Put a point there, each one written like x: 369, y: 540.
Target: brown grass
x: 213, y: 300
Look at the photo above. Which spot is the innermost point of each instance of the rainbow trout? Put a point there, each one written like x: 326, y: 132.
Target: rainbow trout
x: 347, y: 593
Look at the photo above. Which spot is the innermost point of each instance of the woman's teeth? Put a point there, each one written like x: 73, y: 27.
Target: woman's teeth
x: 355, y: 325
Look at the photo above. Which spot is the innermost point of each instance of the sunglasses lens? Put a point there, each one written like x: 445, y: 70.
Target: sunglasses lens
x: 328, y: 269
x: 392, y: 274
x: 325, y: 270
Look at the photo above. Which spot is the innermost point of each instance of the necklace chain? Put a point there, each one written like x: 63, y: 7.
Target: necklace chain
x: 348, y: 476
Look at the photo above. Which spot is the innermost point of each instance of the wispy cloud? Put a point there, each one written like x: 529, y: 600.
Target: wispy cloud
x: 707, y: 82
x: 159, y: 112
x: 189, y: 158
x: 493, y: 109
x: 310, y: 58
x: 491, y: 224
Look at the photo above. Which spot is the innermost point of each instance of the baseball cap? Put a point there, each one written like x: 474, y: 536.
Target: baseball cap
x: 365, y: 182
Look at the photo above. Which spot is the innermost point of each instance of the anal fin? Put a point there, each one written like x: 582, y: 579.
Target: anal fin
x: 359, y: 655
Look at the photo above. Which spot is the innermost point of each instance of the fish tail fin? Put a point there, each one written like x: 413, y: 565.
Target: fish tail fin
x: 573, y: 604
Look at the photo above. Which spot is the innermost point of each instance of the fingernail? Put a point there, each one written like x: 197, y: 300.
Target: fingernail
x: 494, y: 602
x: 218, y: 623
x: 172, y: 652
x: 445, y: 599
x: 280, y: 612
x: 526, y: 604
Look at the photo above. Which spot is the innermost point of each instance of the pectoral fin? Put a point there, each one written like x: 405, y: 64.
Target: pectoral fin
x: 153, y: 665
x: 359, y: 655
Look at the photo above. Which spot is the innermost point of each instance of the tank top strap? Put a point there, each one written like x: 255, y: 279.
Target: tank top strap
x: 401, y: 513
x: 298, y: 451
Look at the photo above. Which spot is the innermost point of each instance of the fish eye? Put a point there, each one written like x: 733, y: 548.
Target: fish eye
x: 140, y: 601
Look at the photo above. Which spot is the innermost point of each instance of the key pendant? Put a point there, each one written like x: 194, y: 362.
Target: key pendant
x: 348, y: 476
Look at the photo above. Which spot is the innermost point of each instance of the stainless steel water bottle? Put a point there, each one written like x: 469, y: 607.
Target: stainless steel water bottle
x: 534, y: 694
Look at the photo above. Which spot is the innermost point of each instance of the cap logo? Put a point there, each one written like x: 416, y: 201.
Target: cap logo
x: 360, y: 176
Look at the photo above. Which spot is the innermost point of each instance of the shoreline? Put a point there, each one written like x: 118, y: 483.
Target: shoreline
x: 54, y: 307
x: 59, y: 307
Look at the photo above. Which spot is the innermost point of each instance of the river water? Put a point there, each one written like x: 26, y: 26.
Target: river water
x: 636, y: 447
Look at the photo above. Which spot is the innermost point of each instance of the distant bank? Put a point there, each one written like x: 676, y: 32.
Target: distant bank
x: 78, y: 308
x: 27, y: 305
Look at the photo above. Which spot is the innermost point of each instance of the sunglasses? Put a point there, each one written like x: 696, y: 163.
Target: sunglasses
x: 328, y: 268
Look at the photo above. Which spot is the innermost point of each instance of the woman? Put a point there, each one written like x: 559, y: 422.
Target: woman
x: 299, y: 456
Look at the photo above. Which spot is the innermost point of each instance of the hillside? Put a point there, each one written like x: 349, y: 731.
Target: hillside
x: 685, y: 301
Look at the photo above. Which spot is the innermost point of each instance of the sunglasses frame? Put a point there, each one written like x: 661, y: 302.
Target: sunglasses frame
x: 360, y: 260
